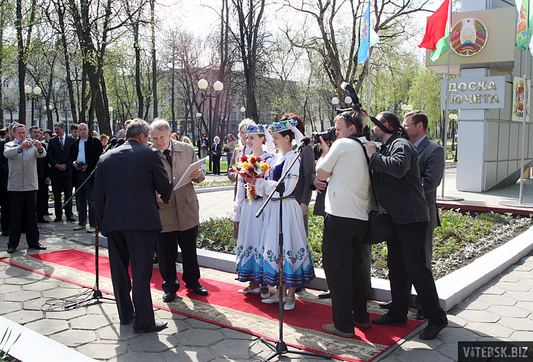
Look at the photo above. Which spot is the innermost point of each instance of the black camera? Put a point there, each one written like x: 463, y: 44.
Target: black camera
x: 328, y: 135
x: 80, y: 165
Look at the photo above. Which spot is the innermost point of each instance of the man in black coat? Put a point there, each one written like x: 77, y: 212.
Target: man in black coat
x: 43, y: 176
x: 61, y: 171
x: 84, y: 154
x: 128, y: 179
x: 397, y: 180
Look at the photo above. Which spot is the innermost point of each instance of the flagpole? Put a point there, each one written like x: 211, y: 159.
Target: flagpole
x: 368, y: 66
x: 526, y: 114
x: 447, y: 94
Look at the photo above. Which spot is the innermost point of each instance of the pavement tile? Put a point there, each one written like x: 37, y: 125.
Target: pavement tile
x: 165, y: 314
x: 420, y: 344
x: 65, y: 314
x: 525, y: 305
x: 59, y: 293
x: 522, y: 336
x: 455, y: 321
x: 518, y: 324
x: 90, y: 322
x: 116, y: 332
x: 509, y: 311
x: 106, y: 307
x: 35, y: 304
x: 195, y: 323
x: 9, y: 307
x: 519, y: 296
x: 490, y: 329
x: 41, y: 285
x: 423, y: 355
x: 473, y: 304
x: 13, y: 271
x: 521, y: 275
x: 138, y: 357
x: 22, y: 280
x: 74, y: 337
x: 21, y: 296
x: 103, y: 349
x: 511, y: 278
x: 48, y: 327
x: 478, y: 316
x: 233, y: 334
x: 152, y: 342
x: 449, y: 350
x: 182, y: 353
x: 495, y: 289
x: 496, y: 299
x: 523, y: 267
x: 450, y: 335
x: 199, y: 337
x: 234, y: 349
x: 10, y: 288
x: 174, y: 326
x: 24, y: 316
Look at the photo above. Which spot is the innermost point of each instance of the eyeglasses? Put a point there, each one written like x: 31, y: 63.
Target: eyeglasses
x: 406, y: 125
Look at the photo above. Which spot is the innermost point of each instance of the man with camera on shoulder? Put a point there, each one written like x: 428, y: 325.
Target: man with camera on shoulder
x: 345, y: 224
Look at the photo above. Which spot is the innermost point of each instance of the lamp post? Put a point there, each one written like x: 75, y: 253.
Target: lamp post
x: 407, y: 107
x: 112, y: 121
x: 198, y: 116
x: 335, y: 102
x: 217, y: 86
x: 32, y: 93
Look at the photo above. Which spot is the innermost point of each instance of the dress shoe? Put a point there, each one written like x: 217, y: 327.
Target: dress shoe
x: 57, y: 219
x: 362, y: 325
x: 158, y: 326
x: 11, y: 250
x: 37, y: 247
x: 169, y: 297
x: 129, y: 320
x: 91, y: 230
x: 70, y: 219
x: 198, y: 289
x: 79, y: 227
x: 330, y: 328
x: 420, y: 315
x: 432, y: 331
x: 325, y: 295
x: 43, y: 221
x: 386, y: 320
x: 289, y: 304
x: 5, y: 233
x: 247, y: 290
x: 386, y: 305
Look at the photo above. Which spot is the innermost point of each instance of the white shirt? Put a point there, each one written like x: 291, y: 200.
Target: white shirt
x: 81, y: 151
x: 348, y: 192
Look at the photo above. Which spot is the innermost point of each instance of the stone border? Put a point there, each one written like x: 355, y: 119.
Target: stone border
x: 32, y: 346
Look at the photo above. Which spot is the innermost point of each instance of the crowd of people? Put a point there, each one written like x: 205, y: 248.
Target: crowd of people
x: 147, y: 161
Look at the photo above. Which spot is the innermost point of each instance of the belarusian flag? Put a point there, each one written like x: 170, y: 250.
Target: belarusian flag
x: 438, y: 32
x: 524, y: 22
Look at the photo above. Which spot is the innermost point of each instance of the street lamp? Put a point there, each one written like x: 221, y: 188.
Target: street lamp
x: 407, y: 107
x: 111, y: 119
x: 32, y: 93
x: 348, y: 100
x: 217, y: 86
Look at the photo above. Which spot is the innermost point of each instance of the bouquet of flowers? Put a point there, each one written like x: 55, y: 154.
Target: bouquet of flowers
x: 251, y: 167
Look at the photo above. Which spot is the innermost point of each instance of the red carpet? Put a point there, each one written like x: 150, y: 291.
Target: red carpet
x: 226, y: 307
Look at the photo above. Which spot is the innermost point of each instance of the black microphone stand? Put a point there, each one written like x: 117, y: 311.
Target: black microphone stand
x: 280, y: 347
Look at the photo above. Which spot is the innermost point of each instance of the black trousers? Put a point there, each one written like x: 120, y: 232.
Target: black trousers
x: 343, y: 265
x: 84, y: 197
x: 59, y: 185
x: 4, y: 204
x: 136, y: 246
x: 216, y: 165
x: 407, y: 264
x: 167, y: 253
x: 22, y: 207
x: 42, y: 200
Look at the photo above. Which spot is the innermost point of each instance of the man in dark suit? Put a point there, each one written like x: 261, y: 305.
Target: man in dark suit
x: 61, y: 172
x: 396, y: 177
x: 431, y: 161
x: 43, y: 176
x: 84, y: 154
x: 216, y: 153
x: 127, y: 181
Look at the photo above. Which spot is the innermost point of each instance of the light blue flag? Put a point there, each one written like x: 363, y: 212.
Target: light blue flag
x: 365, y: 44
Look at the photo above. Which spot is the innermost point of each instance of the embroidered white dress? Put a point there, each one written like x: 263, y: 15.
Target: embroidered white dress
x: 249, y: 251
x: 297, y: 262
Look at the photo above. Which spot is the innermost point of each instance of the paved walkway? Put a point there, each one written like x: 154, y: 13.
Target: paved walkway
x: 499, y: 310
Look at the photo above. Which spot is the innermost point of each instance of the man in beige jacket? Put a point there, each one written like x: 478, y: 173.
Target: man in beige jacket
x: 180, y: 217
x: 22, y: 186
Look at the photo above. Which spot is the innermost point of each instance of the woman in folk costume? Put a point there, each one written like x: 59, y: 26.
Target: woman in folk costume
x: 297, y: 262
x: 249, y: 247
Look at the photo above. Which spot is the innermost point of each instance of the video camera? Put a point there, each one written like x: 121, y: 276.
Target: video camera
x: 80, y: 165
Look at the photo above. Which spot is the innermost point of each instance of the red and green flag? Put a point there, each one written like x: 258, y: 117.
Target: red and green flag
x: 525, y: 16
x: 438, y: 32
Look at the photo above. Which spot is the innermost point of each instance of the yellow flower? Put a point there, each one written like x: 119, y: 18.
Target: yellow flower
x: 265, y: 166
x: 245, y: 165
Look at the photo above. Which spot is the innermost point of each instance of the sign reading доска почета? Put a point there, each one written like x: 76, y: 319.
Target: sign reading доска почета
x: 474, y: 93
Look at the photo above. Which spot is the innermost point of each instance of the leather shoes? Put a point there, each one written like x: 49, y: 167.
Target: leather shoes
x: 432, y: 331
x: 130, y: 319
x: 158, y: 326
x: 386, y: 305
x: 325, y: 295
x: 386, y: 320
x: 420, y: 315
x: 57, y: 219
x: 362, y: 325
x: 169, y: 297
x: 198, y: 289
x: 37, y: 247
x: 11, y: 250
x: 330, y: 328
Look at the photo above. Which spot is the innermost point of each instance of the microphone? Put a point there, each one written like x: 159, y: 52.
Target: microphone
x: 111, y: 144
x: 304, y: 142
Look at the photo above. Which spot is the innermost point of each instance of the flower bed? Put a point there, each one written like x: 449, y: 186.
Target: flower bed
x: 459, y: 240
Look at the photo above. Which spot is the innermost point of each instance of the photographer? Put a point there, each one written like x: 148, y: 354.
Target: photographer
x: 397, y: 180
x: 84, y: 154
x: 346, y: 205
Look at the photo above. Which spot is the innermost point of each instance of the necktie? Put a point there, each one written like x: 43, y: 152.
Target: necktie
x: 61, y: 141
x: 168, y: 156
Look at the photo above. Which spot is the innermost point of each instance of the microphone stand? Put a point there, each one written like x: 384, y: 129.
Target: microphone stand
x: 280, y: 347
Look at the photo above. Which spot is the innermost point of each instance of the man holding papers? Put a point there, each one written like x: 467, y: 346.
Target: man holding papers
x: 180, y: 217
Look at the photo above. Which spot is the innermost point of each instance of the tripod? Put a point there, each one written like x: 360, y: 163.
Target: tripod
x: 280, y: 347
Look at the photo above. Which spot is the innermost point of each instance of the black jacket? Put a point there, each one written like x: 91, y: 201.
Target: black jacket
x: 396, y: 177
x: 93, y: 150
x: 57, y: 155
